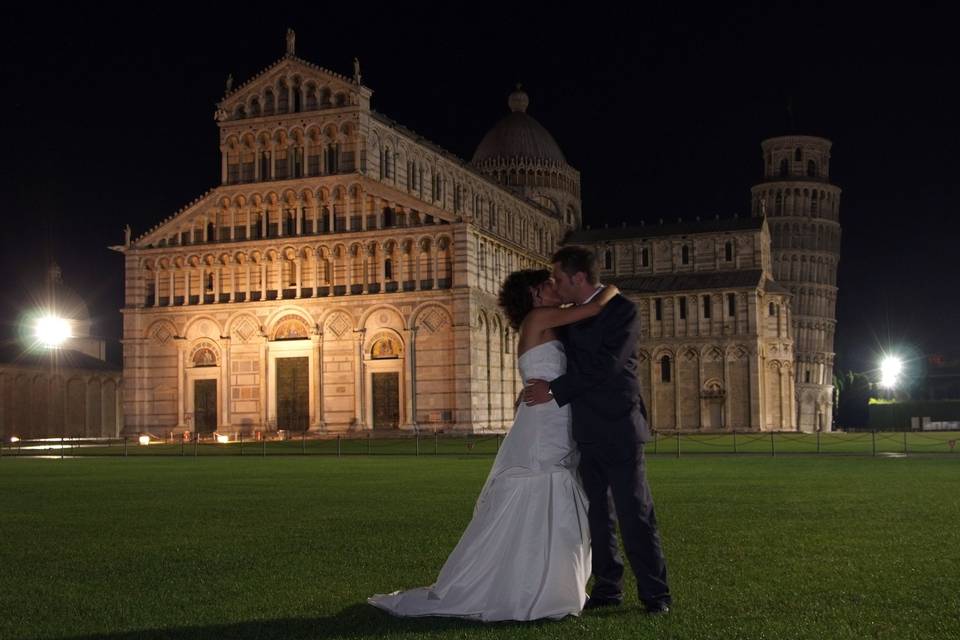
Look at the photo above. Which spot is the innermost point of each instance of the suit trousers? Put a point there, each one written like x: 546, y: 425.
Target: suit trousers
x: 614, y: 480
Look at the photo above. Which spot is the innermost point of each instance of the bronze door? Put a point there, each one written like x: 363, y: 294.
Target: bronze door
x: 386, y: 400
x: 205, y: 405
x: 293, y: 404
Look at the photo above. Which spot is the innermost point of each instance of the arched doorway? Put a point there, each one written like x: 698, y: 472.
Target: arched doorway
x: 385, y: 365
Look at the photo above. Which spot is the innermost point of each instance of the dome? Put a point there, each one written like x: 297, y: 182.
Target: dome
x: 65, y: 302
x: 518, y: 136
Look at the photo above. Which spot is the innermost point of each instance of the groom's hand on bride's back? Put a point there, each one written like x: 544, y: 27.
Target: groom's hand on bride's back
x: 537, y: 392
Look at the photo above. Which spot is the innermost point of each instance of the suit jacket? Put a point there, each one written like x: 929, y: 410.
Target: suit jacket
x: 601, y: 380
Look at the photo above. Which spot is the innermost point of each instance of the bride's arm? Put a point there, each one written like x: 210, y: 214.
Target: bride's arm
x: 542, y: 318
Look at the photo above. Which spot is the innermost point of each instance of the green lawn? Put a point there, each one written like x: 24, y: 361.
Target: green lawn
x: 290, y: 546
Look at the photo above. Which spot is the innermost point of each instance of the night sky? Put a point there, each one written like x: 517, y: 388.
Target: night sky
x: 108, y: 120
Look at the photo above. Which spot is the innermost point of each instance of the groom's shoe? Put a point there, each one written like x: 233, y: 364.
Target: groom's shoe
x: 598, y: 603
x: 658, y: 608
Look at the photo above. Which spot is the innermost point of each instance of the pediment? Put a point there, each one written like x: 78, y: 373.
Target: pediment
x: 267, y: 93
x: 184, y: 219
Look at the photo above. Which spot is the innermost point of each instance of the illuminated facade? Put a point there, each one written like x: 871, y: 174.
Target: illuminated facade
x: 343, y: 277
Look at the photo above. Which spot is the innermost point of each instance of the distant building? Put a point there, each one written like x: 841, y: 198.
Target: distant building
x: 64, y: 391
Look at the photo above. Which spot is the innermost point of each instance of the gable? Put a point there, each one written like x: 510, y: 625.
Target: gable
x: 291, y: 85
x: 186, y: 219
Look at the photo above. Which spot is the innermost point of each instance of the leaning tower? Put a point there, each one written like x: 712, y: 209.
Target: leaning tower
x: 803, y: 212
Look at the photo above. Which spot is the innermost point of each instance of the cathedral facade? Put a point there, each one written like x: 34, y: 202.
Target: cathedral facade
x: 343, y: 277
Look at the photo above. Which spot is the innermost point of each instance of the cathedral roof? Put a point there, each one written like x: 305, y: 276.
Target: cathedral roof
x: 692, y: 281
x: 13, y: 354
x: 717, y: 225
x: 519, y: 136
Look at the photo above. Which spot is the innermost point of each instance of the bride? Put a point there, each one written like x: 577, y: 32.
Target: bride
x: 526, y: 553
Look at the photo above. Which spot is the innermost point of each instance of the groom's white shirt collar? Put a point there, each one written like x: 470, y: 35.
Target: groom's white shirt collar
x: 593, y: 295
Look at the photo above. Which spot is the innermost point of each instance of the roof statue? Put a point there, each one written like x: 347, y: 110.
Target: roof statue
x: 229, y: 82
x: 356, y: 70
x: 291, y: 42
x: 127, y: 232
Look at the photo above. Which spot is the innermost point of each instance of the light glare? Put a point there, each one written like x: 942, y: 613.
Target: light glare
x: 890, y: 369
x: 144, y: 440
x: 52, y: 331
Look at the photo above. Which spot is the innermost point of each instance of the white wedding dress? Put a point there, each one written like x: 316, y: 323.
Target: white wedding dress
x: 526, y: 553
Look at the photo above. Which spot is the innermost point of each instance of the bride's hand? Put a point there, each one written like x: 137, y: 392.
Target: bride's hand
x: 608, y: 293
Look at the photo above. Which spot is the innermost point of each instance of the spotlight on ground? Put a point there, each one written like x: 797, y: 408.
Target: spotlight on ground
x: 52, y: 331
x: 222, y: 439
x: 144, y: 440
x: 891, y: 368
x: 14, y: 439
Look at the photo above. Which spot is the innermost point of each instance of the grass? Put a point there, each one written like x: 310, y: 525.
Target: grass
x: 289, y: 547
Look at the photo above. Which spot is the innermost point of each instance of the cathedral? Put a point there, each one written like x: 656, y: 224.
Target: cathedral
x: 343, y: 277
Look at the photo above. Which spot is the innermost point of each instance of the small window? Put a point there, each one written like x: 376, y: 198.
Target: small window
x: 665, y: 369
x: 811, y: 169
x: 728, y: 251
x: 644, y: 257
x: 683, y: 308
x: 658, y: 309
x: 798, y: 155
x: 731, y: 304
x: 773, y: 310
x: 784, y: 168
x: 608, y: 259
x: 706, y: 306
x: 388, y: 269
x: 685, y: 254
x: 806, y: 377
x: 209, y: 282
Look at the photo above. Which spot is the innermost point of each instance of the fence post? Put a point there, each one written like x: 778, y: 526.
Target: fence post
x: 498, y: 443
x: 263, y: 446
x: 904, y: 440
x: 418, y: 442
x: 241, y: 443
x: 368, y: 442
x: 773, y: 450
x: 61, y: 447
x: 436, y: 443
x: 303, y: 442
x: 656, y: 439
x: 818, y: 441
x: 734, y: 440
x: 338, y: 445
x: 196, y: 444
x: 1, y: 448
x: 678, y: 443
x: 873, y: 438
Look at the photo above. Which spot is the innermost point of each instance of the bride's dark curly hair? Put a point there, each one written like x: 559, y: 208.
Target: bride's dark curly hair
x: 515, y: 298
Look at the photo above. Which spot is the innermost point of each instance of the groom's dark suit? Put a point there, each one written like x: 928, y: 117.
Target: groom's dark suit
x: 610, y: 427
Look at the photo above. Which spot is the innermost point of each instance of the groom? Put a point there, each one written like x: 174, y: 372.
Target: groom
x: 610, y: 427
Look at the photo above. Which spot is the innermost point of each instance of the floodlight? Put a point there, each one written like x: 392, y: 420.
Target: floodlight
x: 891, y: 367
x: 52, y: 331
x: 144, y: 440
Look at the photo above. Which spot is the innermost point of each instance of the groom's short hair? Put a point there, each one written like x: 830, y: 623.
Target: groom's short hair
x: 577, y: 258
